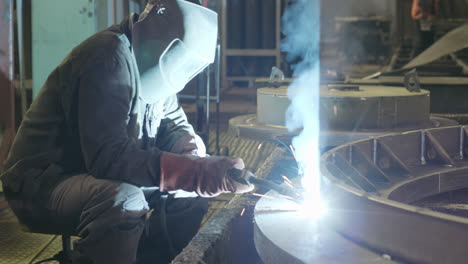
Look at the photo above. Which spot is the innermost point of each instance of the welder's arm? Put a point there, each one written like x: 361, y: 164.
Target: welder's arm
x: 208, y: 177
x: 175, y: 133
x: 105, y: 96
x: 416, y: 12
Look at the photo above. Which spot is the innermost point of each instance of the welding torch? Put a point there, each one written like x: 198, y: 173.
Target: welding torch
x: 246, y: 177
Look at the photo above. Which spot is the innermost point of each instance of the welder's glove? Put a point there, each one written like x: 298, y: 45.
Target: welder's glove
x: 207, y: 176
x: 188, y: 144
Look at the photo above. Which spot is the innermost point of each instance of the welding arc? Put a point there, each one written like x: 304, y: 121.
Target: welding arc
x: 244, y: 176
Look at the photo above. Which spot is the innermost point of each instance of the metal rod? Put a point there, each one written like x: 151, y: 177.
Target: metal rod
x: 439, y: 148
x: 462, y: 142
x: 207, y: 117
x: 374, y: 151
x: 19, y: 32
x: 218, y: 95
x: 423, y: 147
x: 217, y: 129
x: 194, y: 97
x: 218, y: 74
x: 394, y: 156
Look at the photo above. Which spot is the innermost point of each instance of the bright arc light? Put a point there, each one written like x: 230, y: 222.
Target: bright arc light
x: 301, y: 27
x: 314, y: 207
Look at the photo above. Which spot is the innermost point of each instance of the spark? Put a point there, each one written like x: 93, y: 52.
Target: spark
x: 288, y: 184
x: 262, y: 195
x: 243, y: 211
x: 286, y: 180
x: 293, y: 151
x: 286, y: 197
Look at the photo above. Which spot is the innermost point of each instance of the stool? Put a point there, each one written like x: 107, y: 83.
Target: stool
x: 64, y: 256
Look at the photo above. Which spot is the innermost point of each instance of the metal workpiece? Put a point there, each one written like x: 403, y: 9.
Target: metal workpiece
x: 284, y: 234
x: 373, y: 107
x: 447, y: 92
x: 272, y: 104
x: 348, y: 112
x: 352, y: 107
x: 372, y: 186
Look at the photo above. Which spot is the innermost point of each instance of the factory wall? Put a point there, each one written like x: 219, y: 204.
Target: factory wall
x: 339, y: 8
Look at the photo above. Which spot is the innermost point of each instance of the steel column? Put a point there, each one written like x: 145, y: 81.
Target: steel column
x: 7, y: 109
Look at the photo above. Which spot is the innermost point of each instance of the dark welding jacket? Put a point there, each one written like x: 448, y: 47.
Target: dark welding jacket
x: 88, y: 118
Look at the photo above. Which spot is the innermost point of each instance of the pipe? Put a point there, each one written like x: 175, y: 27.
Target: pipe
x: 207, y: 97
x: 218, y: 87
x: 19, y: 32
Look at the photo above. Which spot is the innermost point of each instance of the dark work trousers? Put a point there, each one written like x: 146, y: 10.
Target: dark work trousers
x: 110, y: 217
x: 423, y: 39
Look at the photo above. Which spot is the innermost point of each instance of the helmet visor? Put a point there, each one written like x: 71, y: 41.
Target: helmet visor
x: 179, y: 65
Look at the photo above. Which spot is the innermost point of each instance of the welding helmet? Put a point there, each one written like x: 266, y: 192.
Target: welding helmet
x: 173, y: 41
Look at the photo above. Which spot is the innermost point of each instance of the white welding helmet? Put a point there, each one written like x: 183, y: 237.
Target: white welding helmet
x: 173, y: 41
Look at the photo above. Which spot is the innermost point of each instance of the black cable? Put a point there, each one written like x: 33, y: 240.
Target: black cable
x: 163, y: 218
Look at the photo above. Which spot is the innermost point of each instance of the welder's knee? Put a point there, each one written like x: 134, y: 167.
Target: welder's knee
x: 111, y: 224
x: 117, y: 200
x: 128, y: 198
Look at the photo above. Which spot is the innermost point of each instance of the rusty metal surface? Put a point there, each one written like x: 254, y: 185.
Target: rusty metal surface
x: 6, y: 77
x: 370, y: 185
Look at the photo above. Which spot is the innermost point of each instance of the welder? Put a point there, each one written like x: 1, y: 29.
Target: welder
x: 105, y: 149
x: 424, y: 13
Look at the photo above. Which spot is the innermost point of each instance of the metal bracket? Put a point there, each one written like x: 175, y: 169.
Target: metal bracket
x: 276, y: 77
x: 412, y: 82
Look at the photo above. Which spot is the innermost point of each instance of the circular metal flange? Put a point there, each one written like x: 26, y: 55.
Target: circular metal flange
x: 371, y: 184
x: 284, y: 234
x: 347, y: 107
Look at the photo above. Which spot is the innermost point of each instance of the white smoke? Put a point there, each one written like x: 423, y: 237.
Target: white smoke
x: 301, y: 27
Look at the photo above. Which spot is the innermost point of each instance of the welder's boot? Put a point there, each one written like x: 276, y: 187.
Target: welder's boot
x: 171, y: 226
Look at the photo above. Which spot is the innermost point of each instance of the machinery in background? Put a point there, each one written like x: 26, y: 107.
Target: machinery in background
x: 347, y: 113
x: 200, y: 90
x: 364, y: 39
x: 442, y: 69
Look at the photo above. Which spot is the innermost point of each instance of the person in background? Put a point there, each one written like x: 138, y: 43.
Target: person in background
x: 424, y: 12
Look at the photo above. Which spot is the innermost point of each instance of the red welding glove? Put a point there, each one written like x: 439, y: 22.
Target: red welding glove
x: 206, y: 176
x: 189, y: 144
